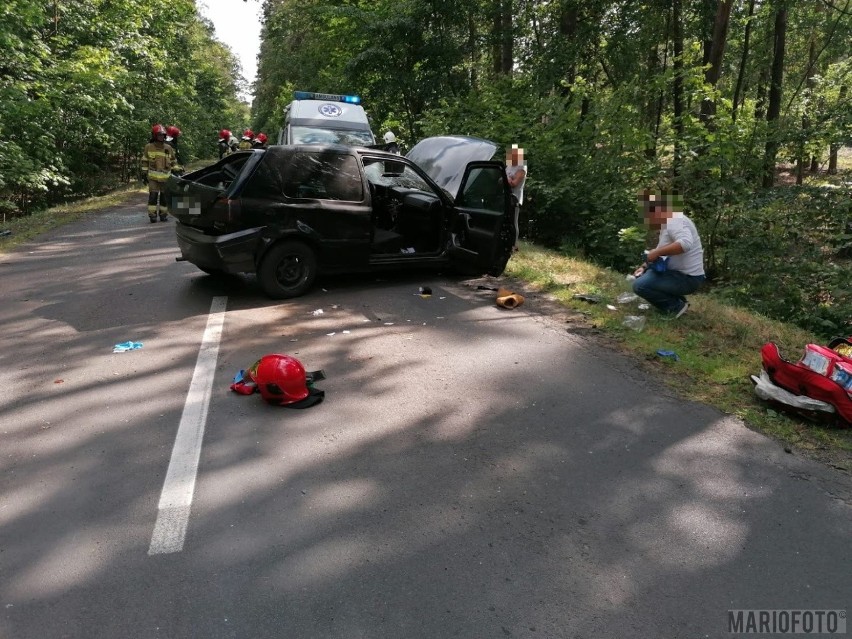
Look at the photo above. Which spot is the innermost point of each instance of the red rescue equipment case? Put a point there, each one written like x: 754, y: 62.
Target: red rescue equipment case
x: 823, y: 373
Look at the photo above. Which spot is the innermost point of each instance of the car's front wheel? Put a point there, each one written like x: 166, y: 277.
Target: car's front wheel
x: 287, y: 270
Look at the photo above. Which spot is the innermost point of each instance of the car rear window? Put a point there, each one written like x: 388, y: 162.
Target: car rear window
x: 324, y: 176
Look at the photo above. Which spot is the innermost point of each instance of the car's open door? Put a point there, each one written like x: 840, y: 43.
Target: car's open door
x: 483, y: 231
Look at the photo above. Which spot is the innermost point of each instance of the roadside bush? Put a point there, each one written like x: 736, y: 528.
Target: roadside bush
x: 784, y: 254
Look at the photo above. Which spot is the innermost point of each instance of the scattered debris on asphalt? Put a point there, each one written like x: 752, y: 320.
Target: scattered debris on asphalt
x: 508, y: 299
x: 126, y: 346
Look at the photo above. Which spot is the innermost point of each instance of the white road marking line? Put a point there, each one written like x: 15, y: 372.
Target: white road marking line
x: 179, y: 486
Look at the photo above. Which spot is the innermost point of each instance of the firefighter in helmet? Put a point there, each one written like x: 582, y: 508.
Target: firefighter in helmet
x: 391, y: 145
x: 224, y: 143
x: 247, y: 139
x: 158, y: 159
x: 172, y: 139
x: 259, y: 141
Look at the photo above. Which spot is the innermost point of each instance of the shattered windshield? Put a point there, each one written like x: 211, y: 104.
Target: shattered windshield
x: 313, y: 135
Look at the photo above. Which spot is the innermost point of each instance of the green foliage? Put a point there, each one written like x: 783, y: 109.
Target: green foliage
x: 786, y: 255
x: 81, y: 83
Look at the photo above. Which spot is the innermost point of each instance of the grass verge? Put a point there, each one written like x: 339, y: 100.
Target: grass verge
x: 26, y: 228
x: 718, y: 347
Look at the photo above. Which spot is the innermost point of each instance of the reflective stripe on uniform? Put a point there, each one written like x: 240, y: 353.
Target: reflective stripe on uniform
x: 158, y: 162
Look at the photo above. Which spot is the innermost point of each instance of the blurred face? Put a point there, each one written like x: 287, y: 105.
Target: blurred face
x: 160, y: 136
x: 657, y: 214
x: 515, y: 156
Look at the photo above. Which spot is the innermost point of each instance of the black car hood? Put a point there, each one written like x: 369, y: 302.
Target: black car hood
x: 444, y: 158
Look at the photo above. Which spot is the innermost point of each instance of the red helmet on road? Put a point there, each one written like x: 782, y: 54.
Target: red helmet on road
x: 172, y: 131
x: 261, y: 137
x: 248, y: 133
x: 224, y: 135
x: 281, y: 379
x: 158, y: 129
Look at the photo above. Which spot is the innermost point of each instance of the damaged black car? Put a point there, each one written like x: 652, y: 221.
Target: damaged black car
x: 289, y: 213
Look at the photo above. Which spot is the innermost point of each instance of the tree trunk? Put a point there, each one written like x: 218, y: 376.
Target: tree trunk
x: 507, y: 41
x: 496, y: 36
x: 760, y: 95
x: 743, y: 60
x: 832, y: 158
x: 806, y: 118
x: 677, y: 83
x: 472, y: 49
x: 661, y: 99
x: 774, y: 109
x: 835, y: 147
x: 568, y: 20
x: 717, y: 51
x: 650, y: 103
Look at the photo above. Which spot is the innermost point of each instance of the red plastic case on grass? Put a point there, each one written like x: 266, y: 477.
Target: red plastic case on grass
x: 822, y: 373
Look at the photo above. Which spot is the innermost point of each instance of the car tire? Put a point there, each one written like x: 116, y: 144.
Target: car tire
x: 287, y: 270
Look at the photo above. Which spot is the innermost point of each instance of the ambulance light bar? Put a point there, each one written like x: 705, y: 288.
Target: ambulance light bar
x: 331, y: 97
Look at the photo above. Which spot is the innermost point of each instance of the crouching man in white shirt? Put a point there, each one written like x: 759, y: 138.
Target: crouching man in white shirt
x: 675, y: 268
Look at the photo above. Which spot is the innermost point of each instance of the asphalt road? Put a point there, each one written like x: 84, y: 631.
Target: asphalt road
x: 473, y: 472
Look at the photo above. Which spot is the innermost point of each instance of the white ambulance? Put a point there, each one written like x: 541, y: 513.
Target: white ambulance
x: 322, y: 118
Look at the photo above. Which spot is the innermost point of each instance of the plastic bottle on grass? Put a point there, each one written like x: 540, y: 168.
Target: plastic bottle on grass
x: 635, y: 322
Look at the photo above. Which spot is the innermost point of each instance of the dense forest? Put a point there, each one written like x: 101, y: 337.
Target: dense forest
x: 743, y: 106
x: 82, y: 81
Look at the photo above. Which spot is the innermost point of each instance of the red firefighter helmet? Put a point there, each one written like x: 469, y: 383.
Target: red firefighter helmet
x: 172, y: 131
x: 281, y: 379
x: 248, y: 134
x: 224, y: 135
x: 158, y: 129
x: 261, y: 137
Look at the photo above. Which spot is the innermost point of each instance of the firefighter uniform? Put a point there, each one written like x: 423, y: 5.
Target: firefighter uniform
x: 172, y: 139
x: 224, y: 143
x: 246, y: 142
x: 158, y: 159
